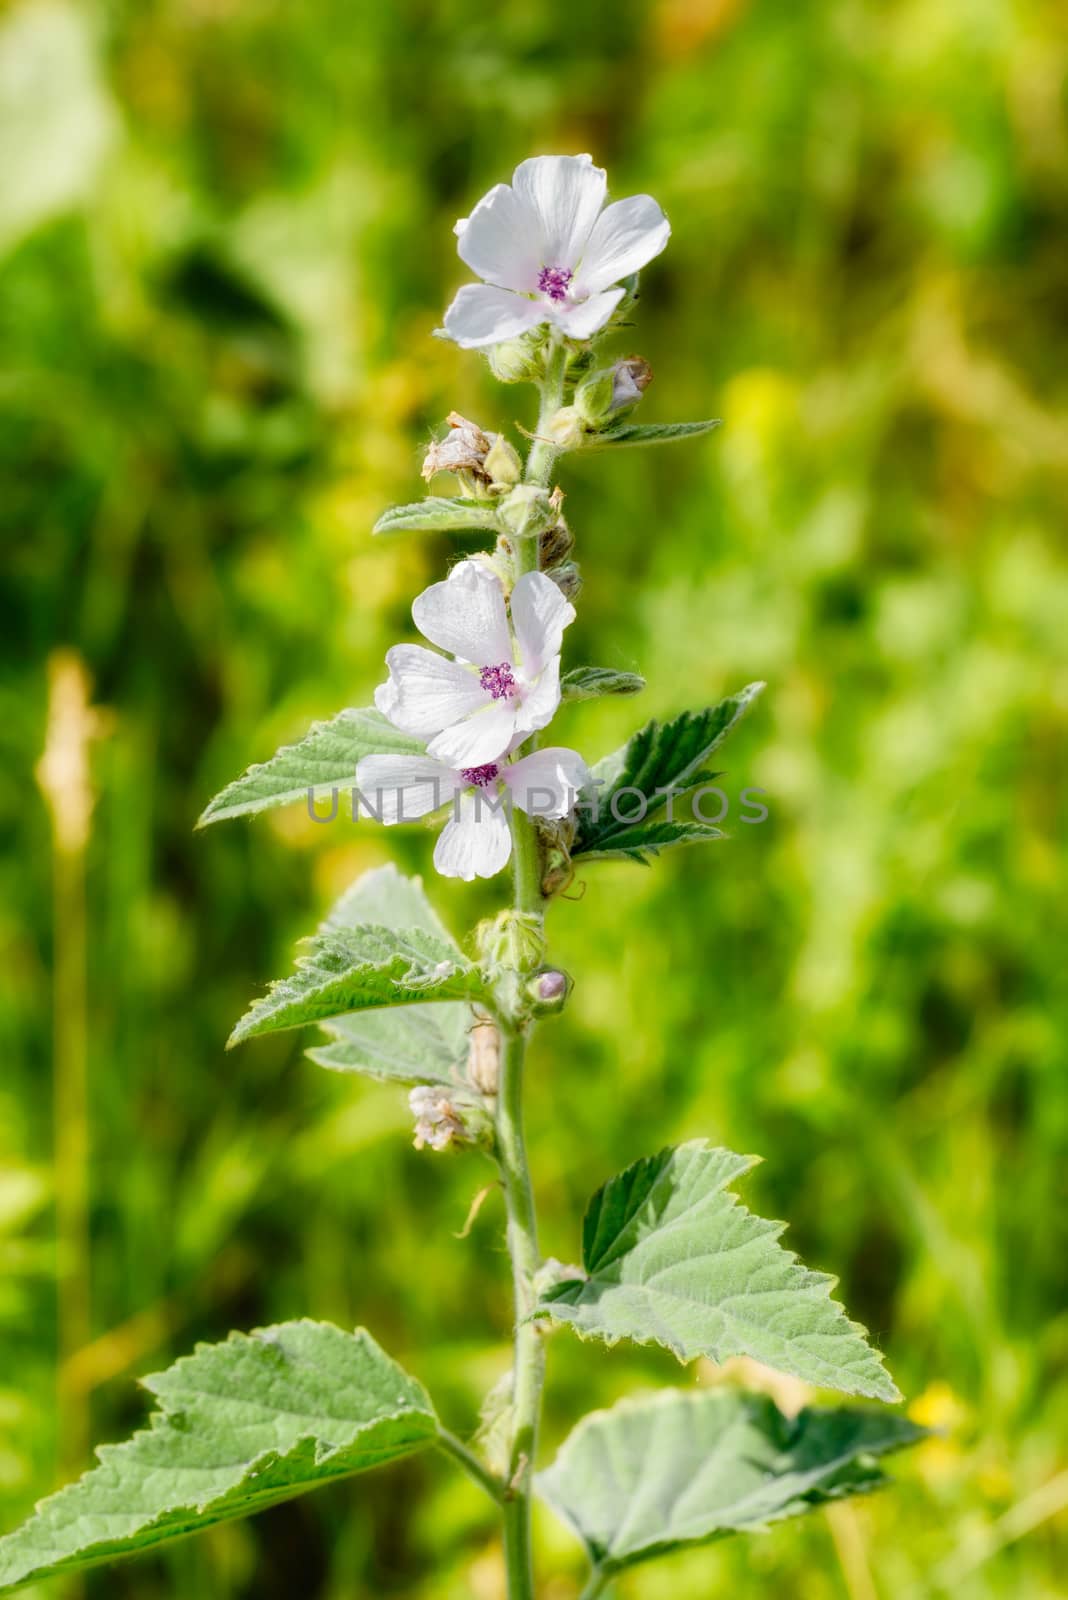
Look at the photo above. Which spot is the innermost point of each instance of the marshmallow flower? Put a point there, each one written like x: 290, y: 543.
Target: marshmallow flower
x: 548, y: 249
x: 476, y: 842
x: 500, y: 688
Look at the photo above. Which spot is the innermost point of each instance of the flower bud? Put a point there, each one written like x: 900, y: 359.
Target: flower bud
x: 565, y: 428
x: 519, y: 360
x: 548, y: 990
x: 527, y: 511
x: 514, y: 940
x: 555, y: 545
x: 484, y: 1057
x: 613, y: 390
x: 567, y: 578
x: 594, y: 395
x: 502, y: 464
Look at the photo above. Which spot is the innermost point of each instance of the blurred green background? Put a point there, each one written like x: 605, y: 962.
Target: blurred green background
x: 225, y: 229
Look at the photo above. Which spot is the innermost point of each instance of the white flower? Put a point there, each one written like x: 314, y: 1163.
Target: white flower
x: 476, y: 842
x: 499, y: 689
x: 549, y: 250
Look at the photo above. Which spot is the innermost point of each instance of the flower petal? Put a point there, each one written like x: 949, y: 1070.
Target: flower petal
x: 466, y: 615
x: 481, y: 315
x: 626, y: 236
x: 547, y: 782
x: 425, y: 693
x: 539, y: 616
x: 499, y: 242
x: 479, y: 739
x: 474, y: 844
x: 563, y: 195
x: 401, y: 788
x: 539, y: 703
x: 581, y: 319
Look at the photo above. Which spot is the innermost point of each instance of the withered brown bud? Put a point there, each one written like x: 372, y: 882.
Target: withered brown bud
x: 567, y: 578
x: 556, y: 545
x: 463, y: 450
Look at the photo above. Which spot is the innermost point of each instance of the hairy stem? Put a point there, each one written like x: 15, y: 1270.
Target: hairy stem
x: 469, y: 1461
x: 528, y: 1363
x: 529, y: 1355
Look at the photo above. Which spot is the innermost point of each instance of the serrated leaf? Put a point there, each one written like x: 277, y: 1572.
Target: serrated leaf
x: 436, y: 514
x: 361, y: 969
x: 673, y: 1259
x: 635, y: 433
x: 413, y: 1044
x: 656, y: 1473
x: 244, y: 1424
x: 323, y: 760
x: 590, y: 683
x: 660, y: 756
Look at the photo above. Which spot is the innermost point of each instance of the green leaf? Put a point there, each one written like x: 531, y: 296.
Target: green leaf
x: 672, y: 1259
x: 325, y: 759
x: 244, y: 1424
x: 416, y: 1044
x: 662, y: 1471
x: 360, y: 969
x: 635, y: 433
x: 668, y: 755
x: 590, y: 683
x: 436, y: 514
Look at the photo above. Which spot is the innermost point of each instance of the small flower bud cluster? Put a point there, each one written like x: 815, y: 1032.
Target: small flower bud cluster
x: 438, y: 1123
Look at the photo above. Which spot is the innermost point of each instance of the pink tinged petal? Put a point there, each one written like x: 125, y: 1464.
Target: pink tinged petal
x: 482, y: 315
x: 498, y: 242
x: 477, y: 843
x: 583, y: 318
x: 546, y: 783
x: 539, y: 616
x: 401, y: 788
x: 539, y: 703
x: 479, y: 739
x: 626, y: 236
x: 563, y: 196
x: 425, y: 692
x: 466, y: 615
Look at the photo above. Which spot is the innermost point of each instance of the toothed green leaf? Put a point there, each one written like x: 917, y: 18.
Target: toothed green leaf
x: 662, y: 1471
x: 436, y: 514
x: 325, y: 759
x: 673, y: 1259
x: 635, y: 433
x: 590, y: 683
x: 409, y: 1044
x: 243, y: 1425
x: 665, y: 756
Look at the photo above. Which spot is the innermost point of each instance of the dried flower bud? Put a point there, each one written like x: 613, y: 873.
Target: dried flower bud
x: 519, y: 360
x: 502, y: 463
x: 555, y: 545
x: 527, y: 511
x: 567, y: 578
x: 436, y: 1121
x: 631, y: 377
x: 565, y: 429
x: 548, y: 990
x: 463, y: 450
x: 484, y: 1057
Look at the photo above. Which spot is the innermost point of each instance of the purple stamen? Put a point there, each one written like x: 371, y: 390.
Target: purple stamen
x: 499, y: 681
x: 554, y: 281
x: 481, y: 777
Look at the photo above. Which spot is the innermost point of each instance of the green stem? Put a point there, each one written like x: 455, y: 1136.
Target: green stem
x: 528, y: 1362
x: 543, y: 452
x: 528, y: 1368
x: 469, y: 1461
x: 599, y: 1581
